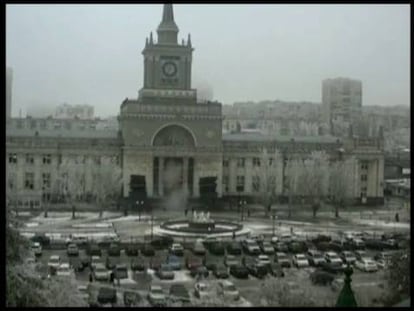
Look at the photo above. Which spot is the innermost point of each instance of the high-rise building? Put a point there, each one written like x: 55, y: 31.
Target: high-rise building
x: 9, y: 82
x: 66, y: 111
x: 341, y: 99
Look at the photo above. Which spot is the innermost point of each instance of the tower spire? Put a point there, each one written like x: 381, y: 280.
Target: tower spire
x: 167, y: 30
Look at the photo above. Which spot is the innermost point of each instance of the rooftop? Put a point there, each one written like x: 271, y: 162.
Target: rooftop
x: 259, y: 137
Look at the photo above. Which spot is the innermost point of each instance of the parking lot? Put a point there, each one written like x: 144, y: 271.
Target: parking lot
x: 248, y: 288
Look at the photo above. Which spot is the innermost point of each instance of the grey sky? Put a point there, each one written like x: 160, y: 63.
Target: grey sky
x: 92, y: 53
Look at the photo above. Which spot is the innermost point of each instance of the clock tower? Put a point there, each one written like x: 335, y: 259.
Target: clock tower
x: 167, y: 64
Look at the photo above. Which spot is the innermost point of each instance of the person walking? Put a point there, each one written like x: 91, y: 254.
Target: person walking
x: 234, y: 235
x: 111, y: 279
x: 90, y: 276
x: 397, y: 217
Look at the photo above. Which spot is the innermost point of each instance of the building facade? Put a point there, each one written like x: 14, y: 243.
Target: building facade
x: 168, y: 142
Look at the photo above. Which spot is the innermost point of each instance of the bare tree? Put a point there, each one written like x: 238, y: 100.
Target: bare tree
x: 293, y: 173
x: 265, y: 177
x: 106, y: 185
x: 340, y: 183
x: 314, y: 179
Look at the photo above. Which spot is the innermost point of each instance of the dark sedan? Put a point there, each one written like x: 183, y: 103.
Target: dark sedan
x: 239, y: 272
x: 221, y: 272
x: 138, y: 264
x: 234, y: 248
x: 217, y: 248
x: 147, y: 250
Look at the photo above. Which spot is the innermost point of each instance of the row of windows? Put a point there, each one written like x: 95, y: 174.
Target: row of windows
x: 47, y: 159
x: 241, y: 162
x: 57, y: 125
x: 240, y: 183
x: 364, y: 177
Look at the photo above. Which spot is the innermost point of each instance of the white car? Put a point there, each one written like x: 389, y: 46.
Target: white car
x: 156, y: 296
x: 64, y: 270
x: 202, y: 290
x: 226, y: 289
x: 274, y: 240
x: 84, y: 291
x: 95, y: 260
x: 101, y: 273
x: 177, y: 249
x: 286, y: 237
x: 37, y: 249
x: 366, y: 264
x: 54, y: 261
x: 348, y: 257
x: 300, y: 261
x: 332, y: 257
x: 263, y: 260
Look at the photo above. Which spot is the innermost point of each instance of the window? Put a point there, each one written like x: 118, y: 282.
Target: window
x: 97, y: 160
x: 225, y: 163
x: 226, y: 183
x: 29, y: 181
x: 58, y: 125
x: 240, y: 162
x: 270, y: 162
x: 256, y: 183
x: 364, y: 177
x: 45, y: 181
x: 240, y: 183
x: 364, y: 166
x: 29, y: 158
x: 13, y: 158
x: 47, y: 159
x: 43, y: 124
x: 256, y: 162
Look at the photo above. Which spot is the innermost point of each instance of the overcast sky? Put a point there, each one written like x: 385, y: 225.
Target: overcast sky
x: 91, y: 54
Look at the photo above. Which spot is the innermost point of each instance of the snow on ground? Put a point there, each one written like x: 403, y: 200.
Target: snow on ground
x: 94, y: 225
x: 32, y: 224
x: 380, y: 223
x: 130, y: 218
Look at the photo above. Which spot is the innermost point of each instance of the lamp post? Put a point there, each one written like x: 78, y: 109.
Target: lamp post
x: 152, y: 224
x: 274, y: 217
x: 242, y: 204
x: 140, y: 205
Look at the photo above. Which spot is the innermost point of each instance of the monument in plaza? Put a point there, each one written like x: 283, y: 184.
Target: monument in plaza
x: 201, y: 221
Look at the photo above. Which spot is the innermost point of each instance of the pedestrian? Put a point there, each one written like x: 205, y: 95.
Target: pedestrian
x: 111, y: 278
x: 90, y: 277
x: 397, y: 217
x: 234, y: 235
x: 248, y: 212
x: 291, y: 230
x: 185, y: 212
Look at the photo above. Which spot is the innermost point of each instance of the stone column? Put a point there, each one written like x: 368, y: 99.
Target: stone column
x: 160, y: 176
x: 185, y: 174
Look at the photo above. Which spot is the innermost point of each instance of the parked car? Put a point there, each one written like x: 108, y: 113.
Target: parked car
x: 281, y: 247
x: 274, y: 240
x: 358, y: 244
x: 251, y: 247
x: 177, y: 249
x: 202, y: 290
x: 208, y: 241
x: 93, y: 250
x: 162, y: 242
x: 231, y: 260
x: 375, y: 244
x: 386, y: 256
x: 178, y: 292
x: 282, y: 259
x: 107, y: 295
x: 114, y: 250
x: 234, y: 248
x: 276, y: 270
x: 165, y: 272
x: 106, y: 241
x: 84, y: 292
x: 258, y: 270
x: 77, y: 264
x: 84, y: 260
x: 131, y: 298
x: 147, y: 250
x: 297, y: 247
x: 156, y: 263
x: 193, y: 261
x: 333, y: 258
x: 54, y: 262
x: 267, y: 248
x: 321, y: 238
x: 37, y: 249
x: 199, y: 271
x: 347, y: 257
x: 226, y: 289
x: 221, y: 272
x: 132, y: 250
x: 366, y: 264
x: 174, y: 262
x: 42, y: 239
x: 332, y: 267
x: 94, y: 261
x: 209, y: 262
x: 263, y: 260
x: 286, y: 238
x: 315, y: 258
x: 199, y: 248
x: 121, y: 272
x: 360, y: 254
x: 321, y: 277
x: 239, y: 272
x: 216, y: 248
x: 64, y: 270
x: 156, y: 296
x: 77, y: 240
x: 72, y: 250
x: 138, y: 264
x: 101, y: 273
x: 391, y: 244
x: 110, y: 262
x: 300, y: 261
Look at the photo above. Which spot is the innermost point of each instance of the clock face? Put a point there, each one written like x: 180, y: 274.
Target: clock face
x: 169, y: 69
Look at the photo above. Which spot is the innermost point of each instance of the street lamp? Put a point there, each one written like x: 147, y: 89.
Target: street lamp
x: 140, y: 204
x: 274, y: 217
x: 242, y: 203
x: 152, y: 224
